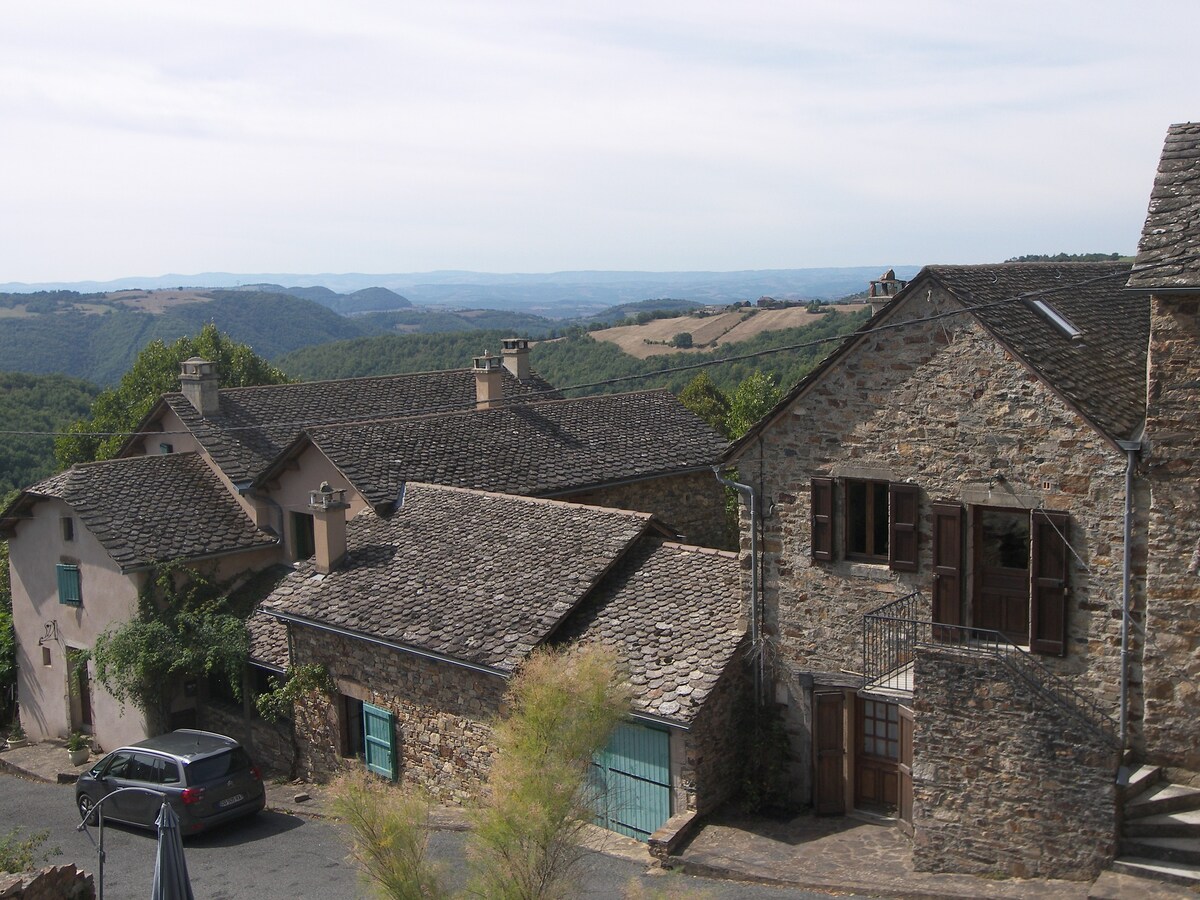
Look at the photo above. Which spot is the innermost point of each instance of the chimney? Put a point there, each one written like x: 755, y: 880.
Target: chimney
x: 198, y: 381
x: 489, y: 381
x: 516, y: 357
x: 329, y: 526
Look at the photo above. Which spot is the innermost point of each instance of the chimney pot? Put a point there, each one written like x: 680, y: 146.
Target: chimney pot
x: 199, y: 383
x: 516, y: 357
x: 329, y: 526
x: 489, y: 380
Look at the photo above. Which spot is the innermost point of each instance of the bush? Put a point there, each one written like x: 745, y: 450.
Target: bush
x: 19, y: 854
x: 683, y: 340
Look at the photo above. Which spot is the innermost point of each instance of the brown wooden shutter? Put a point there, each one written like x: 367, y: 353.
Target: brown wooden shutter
x: 1048, y: 582
x: 947, y: 564
x: 905, y: 810
x: 830, y: 753
x: 822, y: 519
x: 903, y: 504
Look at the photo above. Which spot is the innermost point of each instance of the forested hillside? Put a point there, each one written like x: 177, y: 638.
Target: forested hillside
x: 36, y: 403
x: 576, y: 359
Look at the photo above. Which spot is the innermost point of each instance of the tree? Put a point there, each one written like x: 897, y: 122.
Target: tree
x: 117, y: 411
x: 186, y: 627
x: 706, y: 400
x: 751, y: 401
x: 683, y: 340
x: 564, y: 705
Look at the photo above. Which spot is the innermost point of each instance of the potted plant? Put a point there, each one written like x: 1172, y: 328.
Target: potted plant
x: 77, y: 748
x: 16, y: 737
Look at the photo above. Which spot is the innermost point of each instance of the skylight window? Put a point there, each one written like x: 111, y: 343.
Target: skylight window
x: 1057, y: 319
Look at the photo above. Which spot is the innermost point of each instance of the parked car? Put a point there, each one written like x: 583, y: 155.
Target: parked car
x: 209, y: 779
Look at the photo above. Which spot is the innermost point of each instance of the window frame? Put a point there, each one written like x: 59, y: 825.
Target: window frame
x: 872, y: 488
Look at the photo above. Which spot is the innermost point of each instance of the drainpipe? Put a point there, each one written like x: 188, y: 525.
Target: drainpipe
x: 1131, y: 449
x: 755, y: 638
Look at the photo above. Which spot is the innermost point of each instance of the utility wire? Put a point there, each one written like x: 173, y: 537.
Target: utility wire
x: 437, y: 409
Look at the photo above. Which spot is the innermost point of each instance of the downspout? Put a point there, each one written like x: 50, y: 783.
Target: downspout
x: 755, y: 639
x: 1131, y: 449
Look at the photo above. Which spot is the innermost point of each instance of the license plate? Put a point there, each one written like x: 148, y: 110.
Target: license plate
x: 229, y: 801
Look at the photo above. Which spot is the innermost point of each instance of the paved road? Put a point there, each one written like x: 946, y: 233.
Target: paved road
x: 280, y: 857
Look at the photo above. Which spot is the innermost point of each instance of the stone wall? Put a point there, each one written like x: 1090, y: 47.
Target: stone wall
x: 692, y: 504
x: 944, y: 407
x: 50, y: 883
x: 443, y: 737
x: 1172, y: 654
x: 269, y: 744
x: 1005, y: 783
x: 711, y: 770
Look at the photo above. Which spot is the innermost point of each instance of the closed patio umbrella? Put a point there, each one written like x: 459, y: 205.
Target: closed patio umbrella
x: 170, y: 868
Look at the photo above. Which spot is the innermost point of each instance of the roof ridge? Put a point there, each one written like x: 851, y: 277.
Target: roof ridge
x: 545, y: 501
x: 703, y: 551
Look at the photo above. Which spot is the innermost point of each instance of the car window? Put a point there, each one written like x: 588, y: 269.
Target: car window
x: 220, y: 765
x: 119, y: 765
x: 166, y: 771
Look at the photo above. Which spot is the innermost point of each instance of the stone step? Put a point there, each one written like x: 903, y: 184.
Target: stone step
x: 1176, y: 824
x: 1140, y: 780
x: 1162, y: 798
x: 1175, y: 873
x: 1167, y: 849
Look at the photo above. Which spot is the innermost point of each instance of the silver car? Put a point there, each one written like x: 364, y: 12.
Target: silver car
x: 209, y: 779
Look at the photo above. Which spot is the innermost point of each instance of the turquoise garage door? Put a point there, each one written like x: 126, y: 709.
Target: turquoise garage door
x: 632, y: 781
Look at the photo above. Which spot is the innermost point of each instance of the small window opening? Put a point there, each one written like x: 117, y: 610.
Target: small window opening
x: 46, y: 661
x: 166, y: 448
x: 68, y: 528
x: 304, y: 543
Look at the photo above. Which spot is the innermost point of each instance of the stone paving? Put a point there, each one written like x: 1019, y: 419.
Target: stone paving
x: 832, y: 855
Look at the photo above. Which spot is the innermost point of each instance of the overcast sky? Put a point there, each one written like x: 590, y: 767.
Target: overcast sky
x: 140, y: 137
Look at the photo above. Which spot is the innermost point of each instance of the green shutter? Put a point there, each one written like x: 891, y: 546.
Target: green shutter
x: 68, y: 585
x: 379, y: 741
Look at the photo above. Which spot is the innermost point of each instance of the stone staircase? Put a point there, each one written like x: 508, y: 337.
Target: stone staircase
x: 1160, y: 832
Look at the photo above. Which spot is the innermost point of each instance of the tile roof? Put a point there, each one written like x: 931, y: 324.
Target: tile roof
x: 674, y: 615
x: 534, y: 449
x: 268, y: 641
x: 478, y: 578
x: 151, y: 509
x: 1172, y: 228
x: 256, y: 423
x: 1103, y: 373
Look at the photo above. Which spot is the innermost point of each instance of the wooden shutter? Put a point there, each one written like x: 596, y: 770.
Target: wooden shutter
x: 830, y: 754
x: 1048, y: 582
x: 903, y: 504
x: 822, y: 519
x: 379, y: 741
x: 947, y: 564
x: 68, y: 585
x: 905, y: 804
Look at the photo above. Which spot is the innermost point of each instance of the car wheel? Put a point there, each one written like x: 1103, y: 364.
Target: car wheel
x: 86, y: 811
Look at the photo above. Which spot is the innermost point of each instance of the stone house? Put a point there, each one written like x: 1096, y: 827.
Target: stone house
x: 978, y: 518
x: 422, y: 616
x: 82, y: 546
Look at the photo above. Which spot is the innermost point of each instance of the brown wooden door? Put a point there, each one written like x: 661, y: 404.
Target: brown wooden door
x: 1001, y: 601
x: 904, y: 769
x: 830, y: 752
x: 877, y: 755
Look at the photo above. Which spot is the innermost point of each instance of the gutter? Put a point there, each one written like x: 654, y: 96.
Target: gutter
x: 358, y: 636
x: 146, y: 567
x: 755, y: 613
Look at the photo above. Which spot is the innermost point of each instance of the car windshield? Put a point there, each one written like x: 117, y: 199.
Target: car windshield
x: 221, y: 765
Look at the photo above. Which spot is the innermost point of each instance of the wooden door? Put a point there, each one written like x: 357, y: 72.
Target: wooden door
x: 947, y: 569
x: 830, y: 753
x: 631, y: 781
x: 1001, y: 601
x: 877, y: 755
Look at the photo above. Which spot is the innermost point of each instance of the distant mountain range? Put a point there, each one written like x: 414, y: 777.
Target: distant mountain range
x: 554, y: 294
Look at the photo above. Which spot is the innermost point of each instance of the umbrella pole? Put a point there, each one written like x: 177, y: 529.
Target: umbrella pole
x: 100, y: 853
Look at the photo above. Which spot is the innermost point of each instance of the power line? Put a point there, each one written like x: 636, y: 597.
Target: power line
x: 526, y: 397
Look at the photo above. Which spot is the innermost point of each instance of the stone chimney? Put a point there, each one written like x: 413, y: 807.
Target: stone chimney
x: 329, y: 526
x: 516, y: 357
x: 198, y: 381
x: 884, y: 288
x: 489, y: 381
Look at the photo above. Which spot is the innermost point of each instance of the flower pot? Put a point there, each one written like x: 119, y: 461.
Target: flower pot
x: 14, y: 743
x: 80, y: 756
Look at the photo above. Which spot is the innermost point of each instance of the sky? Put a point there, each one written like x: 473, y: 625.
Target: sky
x: 145, y: 137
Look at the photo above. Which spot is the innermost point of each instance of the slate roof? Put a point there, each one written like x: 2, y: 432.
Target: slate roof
x: 674, y: 615
x: 532, y: 449
x: 151, y: 509
x: 1172, y: 228
x: 256, y: 423
x: 1103, y: 373
x: 474, y: 577
x: 268, y: 641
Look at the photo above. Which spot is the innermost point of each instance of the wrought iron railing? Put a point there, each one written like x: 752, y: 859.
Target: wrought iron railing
x: 895, y: 633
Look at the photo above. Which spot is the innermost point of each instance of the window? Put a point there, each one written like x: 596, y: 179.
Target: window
x: 867, y: 519
x: 881, y: 521
x: 352, y: 726
x: 68, y: 585
x: 166, y: 448
x: 46, y: 657
x: 68, y: 528
x: 881, y: 729
x: 304, y: 541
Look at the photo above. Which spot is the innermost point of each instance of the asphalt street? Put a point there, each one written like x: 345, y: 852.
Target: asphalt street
x: 280, y: 857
